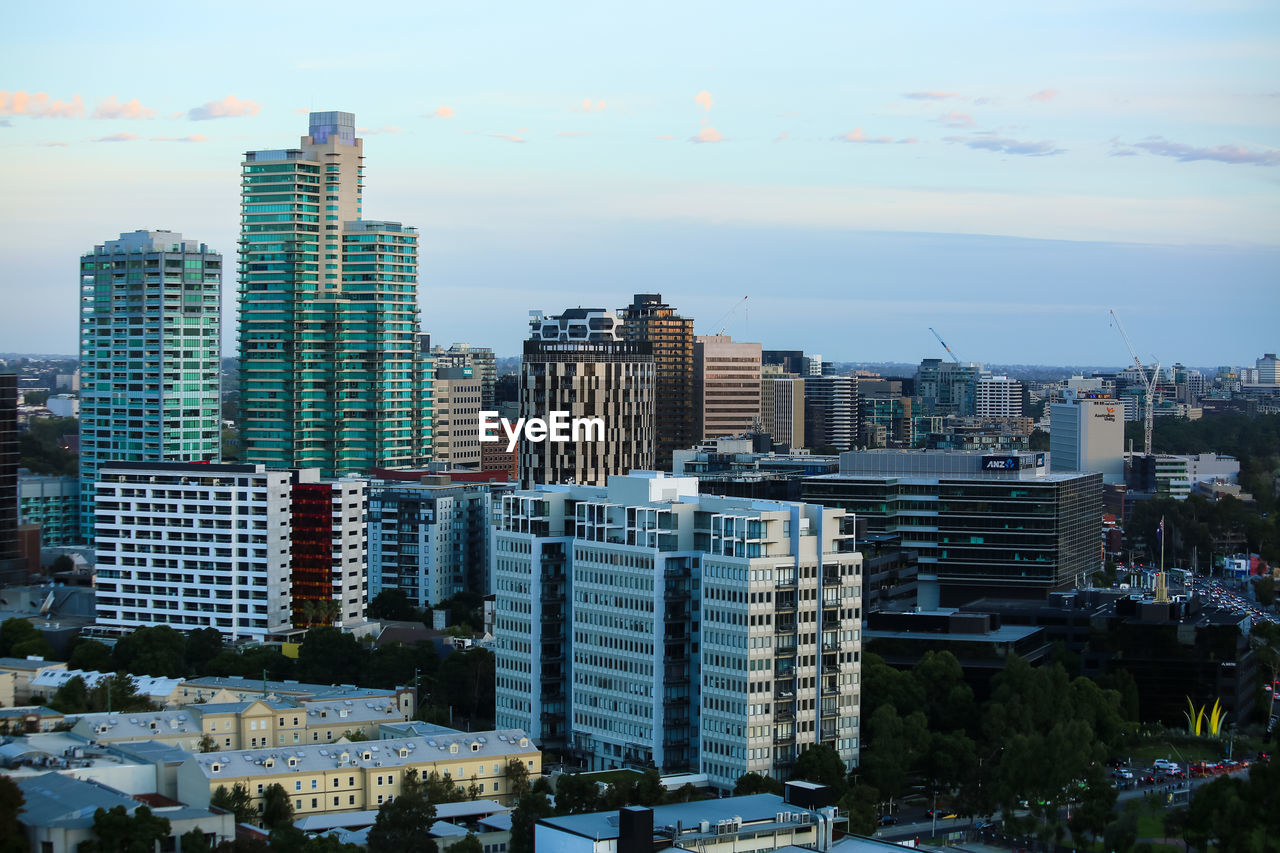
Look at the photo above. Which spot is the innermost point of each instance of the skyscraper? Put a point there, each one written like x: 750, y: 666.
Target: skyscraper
x: 1086, y: 434
x: 330, y: 373
x: 726, y: 385
x: 150, y: 353
x: 650, y: 320
x: 580, y: 363
x: 11, y: 564
x: 831, y: 412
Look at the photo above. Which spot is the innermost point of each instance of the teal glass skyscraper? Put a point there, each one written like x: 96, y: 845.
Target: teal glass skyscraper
x: 150, y: 351
x: 330, y: 374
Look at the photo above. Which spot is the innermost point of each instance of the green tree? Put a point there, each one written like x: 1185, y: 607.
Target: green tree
x: 12, y: 838
x: 61, y: 564
x: 822, y: 765
x: 756, y: 783
x: 235, y: 800
x: 1265, y: 590
x: 36, y: 647
x: 1122, y: 832
x: 469, y: 844
x: 116, y: 831
x: 90, y: 655
x: 530, y: 809
x: 517, y: 777
x: 442, y: 789
x: 403, y: 823
x: 860, y: 803
x: 194, y: 842
x: 1039, y: 440
x: 206, y: 744
x: 203, y: 645
x: 277, y: 808
x: 392, y: 603
x: 14, y: 631
x: 576, y: 794
x: 72, y: 697
x: 157, y: 651
x: 329, y: 655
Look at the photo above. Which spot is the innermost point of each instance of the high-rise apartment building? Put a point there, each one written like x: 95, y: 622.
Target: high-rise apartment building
x: 53, y: 503
x: 782, y: 407
x: 330, y: 373
x: 726, y: 385
x: 1086, y: 434
x: 12, y: 568
x: 580, y: 363
x: 1268, y: 368
x: 831, y: 412
x: 651, y: 321
x: 246, y: 550
x: 997, y: 397
x: 482, y: 363
x: 429, y: 539
x: 946, y: 387
x: 644, y: 622
x: 457, y: 395
x: 150, y: 355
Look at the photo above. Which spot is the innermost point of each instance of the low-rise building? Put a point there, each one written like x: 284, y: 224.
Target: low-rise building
x: 29, y: 719
x: 351, y: 777
x: 161, y: 691
x: 24, y: 670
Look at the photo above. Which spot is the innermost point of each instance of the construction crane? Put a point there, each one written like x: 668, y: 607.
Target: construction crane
x: 742, y: 303
x: 1148, y: 382
x: 944, y: 346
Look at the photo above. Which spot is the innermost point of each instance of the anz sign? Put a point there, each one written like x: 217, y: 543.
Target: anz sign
x: 1001, y: 463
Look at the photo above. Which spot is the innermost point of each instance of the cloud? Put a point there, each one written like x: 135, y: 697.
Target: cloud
x: 39, y: 105
x: 956, y: 119
x: 982, y: 102
x: 589, y: 106
x: 665, y: 138
x: 54, y: 144
x: 510, y: 137
x: 118, y: 137
x: 228, y: 107
x: 1005, y: 145
x: 930, y: 95
x: 1045, y: 95
x: 704, y: 100
x: 113, y: 109
x: 374, y: 131
x: 782, y: 137
x: 443, y: 112
x: 1234, y: 155
x: 856, y: 135
x: 195, y: 137
x: 707, y: 134
x: 572, y: 133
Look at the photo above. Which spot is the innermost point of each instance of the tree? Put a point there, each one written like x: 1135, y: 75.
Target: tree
x: 576, y: 794
x: 1039, y: 440
x: 1265, y: 589
x: 12, y: 838
x: 860, y: 803
x: 203, y: 645
x: 329, y: 655
x: 72, y: 697
x: 206, y: 743
x: 530, y: 809
x: 756, y: 783
x: 194, y: 842
x: 391, y: 603
x: 822, y: 764
x: 156, y: 651
x: 37, y: 646
x: 62, y: 564
x: 403, y: 823
x: 1122, y: 833
x: 115, y: 831
x: 90, y: 655
x: 517, y: 777
x: 14, y: 631
x: 236, y: 800
x: 277, y: 809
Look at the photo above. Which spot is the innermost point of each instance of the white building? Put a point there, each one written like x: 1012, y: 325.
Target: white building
x: 703, y: 633
x: 1086, y: 434
x: 63, y: 406
x: 455, y: 437
x: 997, y: 397
x: 238, y: 548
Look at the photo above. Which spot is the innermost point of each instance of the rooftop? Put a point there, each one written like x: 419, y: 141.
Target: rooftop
x: 52, y: 799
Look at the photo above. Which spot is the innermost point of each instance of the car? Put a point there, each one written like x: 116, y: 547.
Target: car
x: 887, y: 820
x: 1122, y: 773
x: 1164, y: 764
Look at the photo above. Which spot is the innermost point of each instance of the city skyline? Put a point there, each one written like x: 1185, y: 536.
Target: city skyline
x: 1004, y: 175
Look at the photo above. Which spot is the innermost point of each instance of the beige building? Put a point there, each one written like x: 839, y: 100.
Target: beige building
x: 23, y: 671
x: 782, y: 406
x: 358, y: 776
x: 455, y: 428
x: 726, y: 385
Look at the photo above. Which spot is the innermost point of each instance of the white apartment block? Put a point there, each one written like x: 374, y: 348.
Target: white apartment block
x: 456, y: 423
x: 237, y: 548
x: 998, y: 397
x: 702, y: 633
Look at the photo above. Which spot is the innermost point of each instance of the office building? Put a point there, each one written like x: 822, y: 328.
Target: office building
x: 53, y: 503
x: 12, y: 566
x: 998, y: 397
x: 330, y: 373
x: 885, y: 420
x: 1268, y: 368
x: 947, y: 387
x: 649, y: 320
x: 644, y: 623
x: 429, y: 539
x: 481, y: 362
x: 243, y: 549
x: 458, y: 396
x: 150, y: 355
x: 831, y: 413
x: 1086, y: 434
x: 782, y: 408
x: 580, y: 363
x: 981, y: 524
x: 726, y: 386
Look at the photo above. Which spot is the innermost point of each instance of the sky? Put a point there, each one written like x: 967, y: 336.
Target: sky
x: 1002, y: 172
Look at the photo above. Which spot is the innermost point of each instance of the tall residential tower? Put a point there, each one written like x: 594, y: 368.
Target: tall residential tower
x: 150, y: 350
x: 330, y: 374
